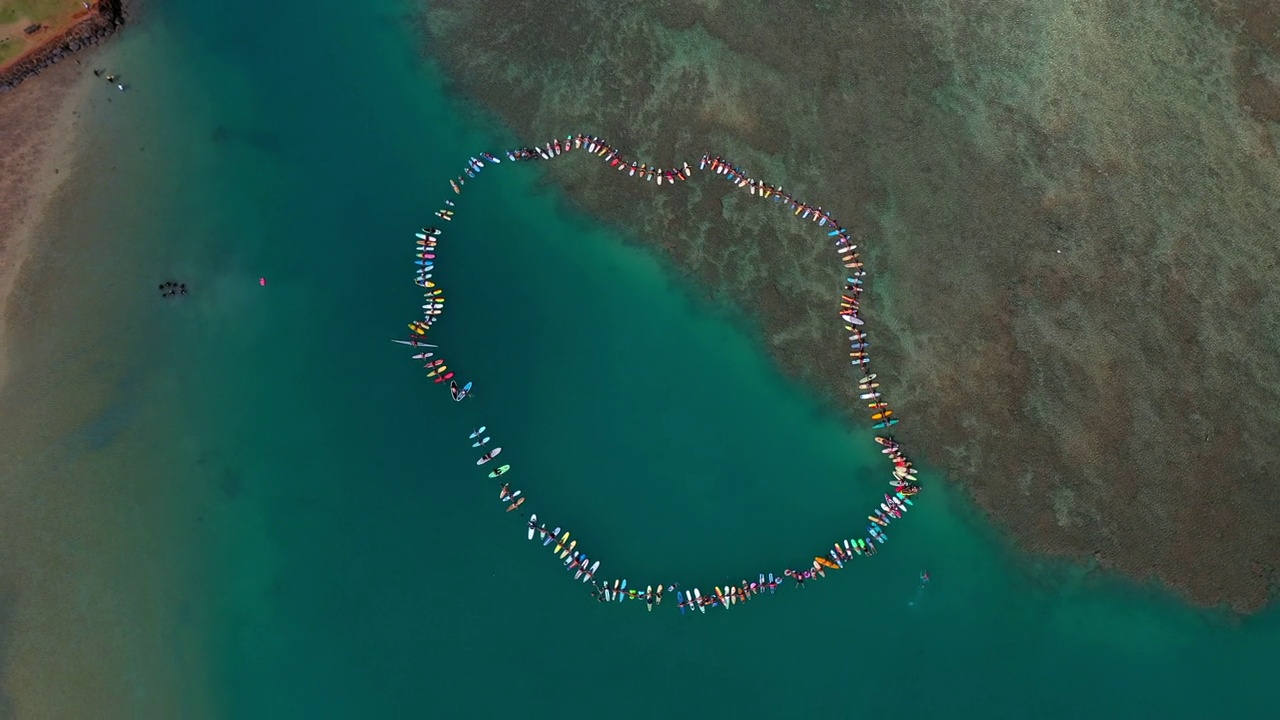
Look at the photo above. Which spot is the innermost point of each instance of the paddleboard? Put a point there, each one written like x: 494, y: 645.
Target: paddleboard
x: 547, y: 540
x: 885, y: 423
x: 568, y: 549
x: 481, y: 443
x: 489, y: 456
x: 500, y: 471
x: 882, y: 415
x: 515, y: 504
x: 533, y: 524
x: 479, y: 432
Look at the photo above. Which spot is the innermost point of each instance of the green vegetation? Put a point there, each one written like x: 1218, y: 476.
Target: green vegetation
x: 36, y: 11
x: 8, y: 48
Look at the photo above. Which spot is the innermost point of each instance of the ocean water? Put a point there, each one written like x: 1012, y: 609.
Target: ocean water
x: 261, y: 508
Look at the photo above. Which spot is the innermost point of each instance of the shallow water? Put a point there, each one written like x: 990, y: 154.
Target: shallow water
x: 268, y: 511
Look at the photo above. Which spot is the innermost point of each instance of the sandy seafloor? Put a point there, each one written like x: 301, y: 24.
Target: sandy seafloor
x: 247, y: 503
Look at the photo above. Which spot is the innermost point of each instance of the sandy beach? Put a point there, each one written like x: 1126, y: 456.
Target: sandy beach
x: 38, y: 129
x: 87, y: 603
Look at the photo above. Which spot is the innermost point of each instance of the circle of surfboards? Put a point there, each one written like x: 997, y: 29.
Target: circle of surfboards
x: 904, y: 482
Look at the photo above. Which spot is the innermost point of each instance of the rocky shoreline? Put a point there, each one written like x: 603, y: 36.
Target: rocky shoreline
x: 88, y: 32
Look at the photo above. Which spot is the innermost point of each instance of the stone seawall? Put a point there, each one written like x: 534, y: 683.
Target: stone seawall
x: 95, y: 28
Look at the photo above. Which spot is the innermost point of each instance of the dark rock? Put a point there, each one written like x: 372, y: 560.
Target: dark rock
x: 87, y: 32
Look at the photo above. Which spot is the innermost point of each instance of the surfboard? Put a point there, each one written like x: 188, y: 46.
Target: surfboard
x: 568, y: 549
x: 533, y: 524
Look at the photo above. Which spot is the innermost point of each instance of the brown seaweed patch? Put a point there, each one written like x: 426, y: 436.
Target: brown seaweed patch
x: 1067, y: 210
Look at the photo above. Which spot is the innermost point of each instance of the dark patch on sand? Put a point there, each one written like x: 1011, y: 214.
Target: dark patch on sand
x: 1069, y: 213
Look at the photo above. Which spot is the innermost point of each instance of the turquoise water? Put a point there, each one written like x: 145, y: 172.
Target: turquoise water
x: 341, y: 555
